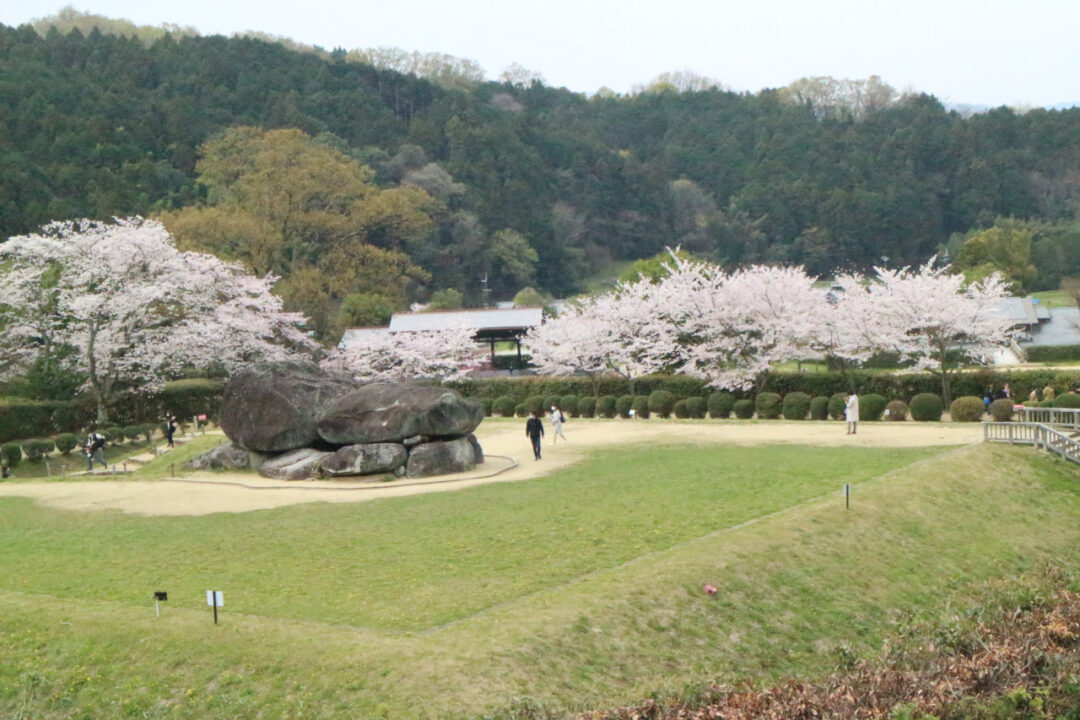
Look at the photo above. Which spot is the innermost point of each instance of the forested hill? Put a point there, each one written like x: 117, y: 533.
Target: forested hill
x: 98, y: 125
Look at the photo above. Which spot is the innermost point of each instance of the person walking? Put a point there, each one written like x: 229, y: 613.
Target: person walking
x: 534, y: 428
x: 851, y: 413
x: 170, y: 428
x: 557, y: 420
x: 94, y: 449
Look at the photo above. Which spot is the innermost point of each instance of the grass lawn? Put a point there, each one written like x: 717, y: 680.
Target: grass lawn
x: 1054, y: 298
x: 577, y: 590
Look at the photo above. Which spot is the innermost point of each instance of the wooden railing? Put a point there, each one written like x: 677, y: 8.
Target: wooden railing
x: 1032, y: 433
x: 1059, y: 417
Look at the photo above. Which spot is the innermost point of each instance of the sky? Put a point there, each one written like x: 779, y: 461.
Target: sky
x: 977, y: 52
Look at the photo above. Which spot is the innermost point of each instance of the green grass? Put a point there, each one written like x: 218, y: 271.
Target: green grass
x: 578, y: 590
x: 1054, y: 298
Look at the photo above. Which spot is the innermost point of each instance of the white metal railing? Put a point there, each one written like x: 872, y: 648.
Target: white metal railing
x: 1037, y: 434
x: 1060, y: 417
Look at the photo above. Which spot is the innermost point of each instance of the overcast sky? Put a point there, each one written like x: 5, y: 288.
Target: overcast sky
x: 988, y: 52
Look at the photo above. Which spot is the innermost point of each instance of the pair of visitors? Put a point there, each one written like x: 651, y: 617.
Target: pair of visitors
x: 534, y: 429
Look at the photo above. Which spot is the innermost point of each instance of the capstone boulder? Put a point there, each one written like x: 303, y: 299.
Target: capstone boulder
x: 390, y: 412
x: 274, y: 407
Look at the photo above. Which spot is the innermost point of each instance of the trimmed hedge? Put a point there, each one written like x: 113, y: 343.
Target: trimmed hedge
x: 12, y: 453
x: 1052, y: 353
x: 605, y: 406
x: 967, y: 409
x: 926, y: 407
x: 897, y: 411
x: 485, y: 403
x: 1002, y: 409
x: 696, y: 406
x: 36, y: 449
x: 641, y: 407
x: 767, y: 405
x: 503, y: 406
x: 661, y: 402
x: 680, y: 410
x: 837, y: 406
x: 521, y: 410
x: 871, y: 406
x: 569, y: 405
x: 796, y: 406
x: 1066, y: 400
x: 551, y: 401
x: 587, y: 407
x: 66, y: 442
x: 720, y: 405
x: 623, y: 405
x: 534, y: 403
x: 115, y: 435
x: 819, y: 408
x: 132, y: 433
x: 743, y: 409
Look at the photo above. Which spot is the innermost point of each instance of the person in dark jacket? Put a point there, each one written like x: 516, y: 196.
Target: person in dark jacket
x: 534, y: 428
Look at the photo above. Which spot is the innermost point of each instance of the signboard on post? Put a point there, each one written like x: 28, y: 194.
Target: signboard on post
x: 160, y: 596
x: 216, y: 599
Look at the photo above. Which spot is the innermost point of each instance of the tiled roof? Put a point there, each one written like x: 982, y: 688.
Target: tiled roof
x: 487, y: 319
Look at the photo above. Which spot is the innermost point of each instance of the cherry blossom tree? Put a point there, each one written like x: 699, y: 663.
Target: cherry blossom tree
x: 572, y: 342
x: 926, y: 313
x: 134, y: 308
x: 431, y: 354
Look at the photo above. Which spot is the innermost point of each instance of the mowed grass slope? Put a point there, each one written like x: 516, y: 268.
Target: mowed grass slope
x: 578, y: 590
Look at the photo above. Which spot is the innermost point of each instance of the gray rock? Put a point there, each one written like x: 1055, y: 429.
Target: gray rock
x: 392, y: 412
x: 415, y: 440
x: 273, y: 407
x: 365, y: 459
x: 296, y: 465
x: 478, y: 452
x: 224, y: 457
x: 441, y: 458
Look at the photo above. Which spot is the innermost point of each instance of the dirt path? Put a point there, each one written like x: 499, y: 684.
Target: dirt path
x: 511, y: 460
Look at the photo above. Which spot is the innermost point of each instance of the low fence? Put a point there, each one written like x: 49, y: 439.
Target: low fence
x: 1058, y: 417
x: 1033, y: 433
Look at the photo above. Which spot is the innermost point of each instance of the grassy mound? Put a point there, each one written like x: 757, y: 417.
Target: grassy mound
x: 581, y: 590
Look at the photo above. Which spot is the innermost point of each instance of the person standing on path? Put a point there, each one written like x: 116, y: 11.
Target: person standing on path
x: 557, y: 419
x: 851, y: 413
x: 534, y: 428
x: 170, y: 428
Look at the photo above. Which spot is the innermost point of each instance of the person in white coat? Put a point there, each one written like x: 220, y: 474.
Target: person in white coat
x: 557, y: 419
x: 851, y: 413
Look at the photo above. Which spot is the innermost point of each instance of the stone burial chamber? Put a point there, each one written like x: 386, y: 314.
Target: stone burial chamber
x: 293, y: 420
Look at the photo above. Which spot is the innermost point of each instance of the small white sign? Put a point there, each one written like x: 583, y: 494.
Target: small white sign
x: 215, y: 598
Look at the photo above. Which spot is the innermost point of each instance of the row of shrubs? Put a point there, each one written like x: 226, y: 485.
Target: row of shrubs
x: 12, y: 453
x: 20, y: 418
x: 925, y: 407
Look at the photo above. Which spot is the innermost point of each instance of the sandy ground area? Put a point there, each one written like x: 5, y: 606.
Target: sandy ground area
x: 510, y: 459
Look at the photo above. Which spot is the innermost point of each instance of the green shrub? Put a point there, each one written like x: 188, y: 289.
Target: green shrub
x: 551, y: 401
x: 896, y: 411
x: 767, y: 405
x: 12, y: 453
x: 605, y: 406
x: 641, y: 407
x: 871, y: 406
x: 680, y: 410
x: 66, y: 442
x: 132, y: 432
x: 1052, y: 353
x: 115, y: 435
x: 696, y: 406
x: 569, y: 405
x: 522, y: 410
x: 796, y: 406
x: 486, y: 403
x: 36, y: 449
x: 1002, y: 410
x: 720, y: 405
x: 503, y: 406
x: 623, y: 405
x: 1066, y: 400
x: 819, y: 408
x: 1066, y: 380
x: 744, y: 409
x: 967, y: 409
x: 926, y: 407
x: 837, y: 405
x: 187, y: 398
x: 147, y: 431
x: 661, y: 402
x: 587, y: 407
x: 535, y: 403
